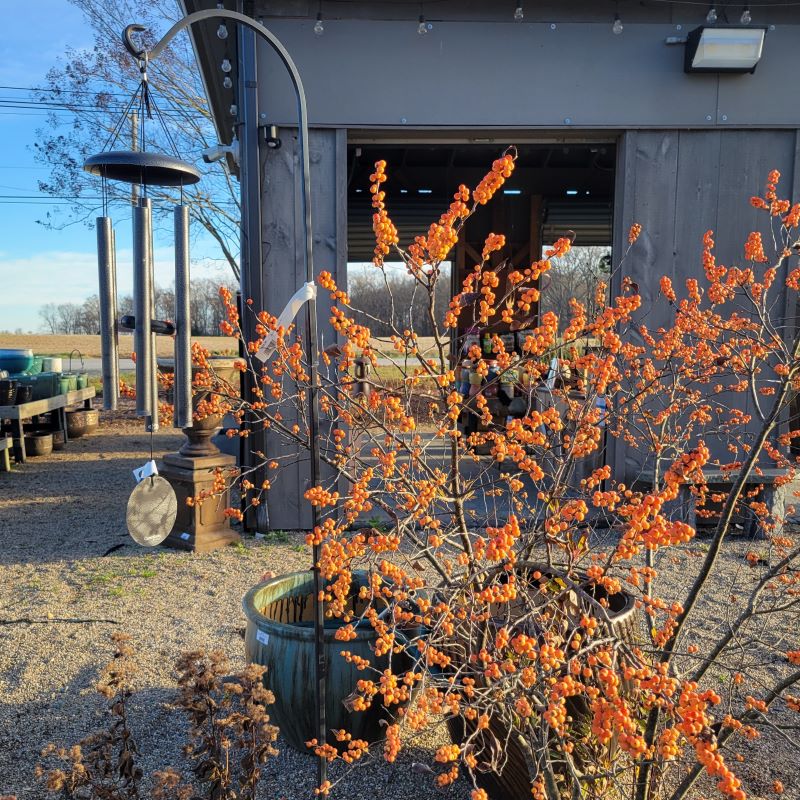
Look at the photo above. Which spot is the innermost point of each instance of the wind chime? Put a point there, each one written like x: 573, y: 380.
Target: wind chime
x: 145, y: 169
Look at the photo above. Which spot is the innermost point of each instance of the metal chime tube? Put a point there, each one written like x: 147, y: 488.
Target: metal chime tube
x: 115, y: 295
x: 143, y: 305
x: 183, y: 343
x: 152, y: 422
x: 106, y: 265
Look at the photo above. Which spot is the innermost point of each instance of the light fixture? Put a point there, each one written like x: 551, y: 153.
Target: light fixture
x: 723, y: 49
x: 225, y: 66
x: 271, y: 138
x: 711, y: 17
x: 617, y: 27
x: 319, y: 27
x: 423, y: 26
x: 746, y: 17
x: 222, y: 31
x: 519, y: 14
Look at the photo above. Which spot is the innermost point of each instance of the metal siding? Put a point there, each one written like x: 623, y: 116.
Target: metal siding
x: 770, y: 96
x: 369, y: 73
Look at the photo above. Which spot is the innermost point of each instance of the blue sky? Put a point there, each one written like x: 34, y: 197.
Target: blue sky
x: 38, y: 265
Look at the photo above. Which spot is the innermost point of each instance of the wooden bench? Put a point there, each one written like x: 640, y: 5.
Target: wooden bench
x: 57, y: 404
x: 5, y: 460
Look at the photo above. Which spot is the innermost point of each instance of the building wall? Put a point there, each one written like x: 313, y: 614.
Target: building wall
x: 366, y: 73
x: 692, y: 148
x: 283, y: 240
x: 678, y: 185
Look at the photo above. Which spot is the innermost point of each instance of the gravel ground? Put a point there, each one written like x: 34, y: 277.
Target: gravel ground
x: 60, y: 514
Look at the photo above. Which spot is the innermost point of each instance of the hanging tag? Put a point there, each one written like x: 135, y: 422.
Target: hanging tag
x: 306, y: 292
x: 147, y: 470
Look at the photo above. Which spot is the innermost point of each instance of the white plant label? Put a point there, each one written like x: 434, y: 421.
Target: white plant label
x: 145, y: 471
x: 305, y: 293
x: 262, y: 637
x: 186, y: 536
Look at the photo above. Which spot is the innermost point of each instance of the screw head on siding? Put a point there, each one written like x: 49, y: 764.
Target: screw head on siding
x: 708, y: 117
x: 552, y: 26
x: 403, y: 120
x: 568, y: 120
x: 724, y: 117
x: 679, y: 27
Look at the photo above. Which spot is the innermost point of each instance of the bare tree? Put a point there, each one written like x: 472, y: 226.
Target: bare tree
x: 391, y: 300
x: 576, y: 276
x: 94, y: 86
x: 49, y: 317
x: 89, y: 321
x: 207, y: 310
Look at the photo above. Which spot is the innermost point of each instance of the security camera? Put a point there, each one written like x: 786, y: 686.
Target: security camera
x: 219, y: 151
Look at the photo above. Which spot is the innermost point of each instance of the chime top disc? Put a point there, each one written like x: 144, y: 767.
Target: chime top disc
x: 152, y: 509
x: 146, y: 169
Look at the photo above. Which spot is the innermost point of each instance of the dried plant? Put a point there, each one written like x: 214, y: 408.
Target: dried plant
x: 230, y: 736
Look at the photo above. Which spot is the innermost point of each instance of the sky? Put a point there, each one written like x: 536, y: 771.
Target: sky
x: 38, y: 265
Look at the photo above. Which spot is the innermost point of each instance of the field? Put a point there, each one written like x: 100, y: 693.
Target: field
x: 89, y: 346
x: 61, y: 345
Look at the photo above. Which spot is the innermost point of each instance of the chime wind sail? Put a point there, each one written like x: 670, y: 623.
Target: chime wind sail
x: 144, y: 169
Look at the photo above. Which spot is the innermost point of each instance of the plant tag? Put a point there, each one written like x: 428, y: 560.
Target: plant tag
x: 186, y: 536
x: 147, y: 470
x: 262, y: 637
x: 308, y: 291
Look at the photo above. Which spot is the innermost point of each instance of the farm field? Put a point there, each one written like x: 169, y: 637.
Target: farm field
x: 89, y: 346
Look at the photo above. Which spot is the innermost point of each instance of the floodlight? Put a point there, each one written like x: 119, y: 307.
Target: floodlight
x: 724, y: 49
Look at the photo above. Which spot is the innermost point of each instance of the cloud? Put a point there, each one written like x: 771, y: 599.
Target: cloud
x: 29, y: 282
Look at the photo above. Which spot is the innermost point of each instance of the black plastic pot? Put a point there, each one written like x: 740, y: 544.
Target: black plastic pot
x: 8, y: 391
x: 24, y: 394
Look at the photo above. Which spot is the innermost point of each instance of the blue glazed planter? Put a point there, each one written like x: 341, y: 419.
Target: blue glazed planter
x: 280, y: 636
x: 16, y: 360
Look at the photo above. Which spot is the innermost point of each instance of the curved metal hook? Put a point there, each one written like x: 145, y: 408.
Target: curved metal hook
x: 135, y: 51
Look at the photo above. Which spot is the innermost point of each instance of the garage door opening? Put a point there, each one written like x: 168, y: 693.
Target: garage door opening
x: 557, y: 189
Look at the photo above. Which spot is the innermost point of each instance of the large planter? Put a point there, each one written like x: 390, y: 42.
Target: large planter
x: 280, y: 636
x: 14, y: 360
x: 513, y: 781
x: 81, y: 422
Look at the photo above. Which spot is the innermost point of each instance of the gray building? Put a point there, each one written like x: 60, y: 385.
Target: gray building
x: 610, y: 129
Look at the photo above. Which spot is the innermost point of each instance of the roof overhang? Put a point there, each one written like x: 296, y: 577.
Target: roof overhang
x: 210, y: 51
